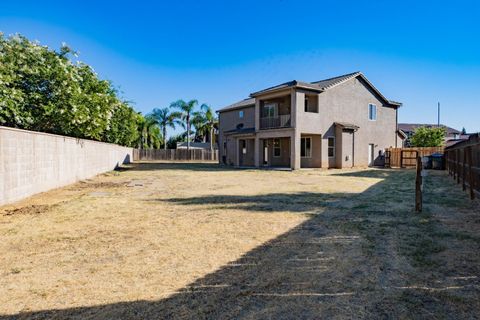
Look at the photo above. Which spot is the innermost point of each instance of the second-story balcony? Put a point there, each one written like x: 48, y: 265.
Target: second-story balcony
x: 281, y: 121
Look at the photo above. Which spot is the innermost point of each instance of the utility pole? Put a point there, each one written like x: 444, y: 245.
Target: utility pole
x: 438, y: 115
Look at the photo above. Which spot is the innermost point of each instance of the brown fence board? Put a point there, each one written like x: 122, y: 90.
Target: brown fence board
x: 406, y: 157
x: 463, y: 164
x: 175, y: 154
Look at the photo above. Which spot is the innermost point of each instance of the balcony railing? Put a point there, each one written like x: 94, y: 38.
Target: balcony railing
x: 282, y: 121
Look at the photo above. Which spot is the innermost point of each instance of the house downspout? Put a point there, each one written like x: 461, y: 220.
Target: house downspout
x: 396, y: 127
x: 353, y: 150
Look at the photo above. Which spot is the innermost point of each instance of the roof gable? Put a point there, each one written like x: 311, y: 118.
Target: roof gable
x: 319, y: 86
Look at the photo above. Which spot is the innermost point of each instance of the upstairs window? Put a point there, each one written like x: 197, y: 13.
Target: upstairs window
x: 276, y: 148
x: 372, y: 112
x: 311, y: 104
x: 331, y: 147
x: 240, y: 114
x: 306, y: 147
x: 270, y: 110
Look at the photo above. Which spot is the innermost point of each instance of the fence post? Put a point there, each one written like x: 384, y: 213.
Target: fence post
x: 418, y: 186
x: 458, y: 166
x: 471, y: 181
x: 464, y: 167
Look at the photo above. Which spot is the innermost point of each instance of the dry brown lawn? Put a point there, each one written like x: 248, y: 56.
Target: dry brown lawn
x: 194, y: 241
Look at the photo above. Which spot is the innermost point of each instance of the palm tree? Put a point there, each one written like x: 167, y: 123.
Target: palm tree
x: 166, y: 119
x: 149, y: 133
x: 205, y: 122
x: 186, y: 109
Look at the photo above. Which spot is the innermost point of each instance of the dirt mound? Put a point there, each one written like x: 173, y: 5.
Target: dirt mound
x: 31, y: 210
x: 94, y: 185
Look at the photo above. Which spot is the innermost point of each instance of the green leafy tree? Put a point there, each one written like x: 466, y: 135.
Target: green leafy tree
x: 428, y: 137
x: 186, y: 109
x: 205, y: 123
x: 123, y: 127
x: 165, y: 118
x: 44, y: 90
x: 173, y: 140
x: 464, y: 131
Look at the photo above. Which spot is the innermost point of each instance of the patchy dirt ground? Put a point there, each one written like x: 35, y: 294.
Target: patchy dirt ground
x: 193, y: 241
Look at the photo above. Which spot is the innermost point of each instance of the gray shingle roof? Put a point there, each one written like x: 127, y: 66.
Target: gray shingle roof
x: 410, y: 127
x: 319, y: 86
x: 293, y: 83
x: 240, y: 131
x: 347, y: 125
x: 240, y: 104
x: 328, y: 83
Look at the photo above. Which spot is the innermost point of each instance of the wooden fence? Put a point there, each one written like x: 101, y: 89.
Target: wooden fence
x: 175, y: 154
x: 463, y: 163
x: 407, y: 157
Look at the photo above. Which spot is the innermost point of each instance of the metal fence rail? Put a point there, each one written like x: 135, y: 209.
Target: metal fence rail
x: 463, y: 163
x: 281, y: 121
x: 175, y: 154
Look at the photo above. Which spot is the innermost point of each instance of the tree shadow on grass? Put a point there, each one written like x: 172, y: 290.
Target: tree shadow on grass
x: 340, y: 263
x: 186, y: 166
x: 302, y: 202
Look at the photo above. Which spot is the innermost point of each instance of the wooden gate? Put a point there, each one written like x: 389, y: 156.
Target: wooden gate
x: 405, y: 157
x: 408, y: 158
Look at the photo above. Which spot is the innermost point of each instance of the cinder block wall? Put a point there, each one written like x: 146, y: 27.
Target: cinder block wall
x: 33, y: 162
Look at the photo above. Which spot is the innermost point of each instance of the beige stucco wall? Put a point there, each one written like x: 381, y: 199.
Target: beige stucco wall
x: 315, y: 161
x: 344, y: 151
x: 348, y: 102
x: 247, y: 159
x: 229, y: 120
x: 33, y: 162
x: 281, y: 161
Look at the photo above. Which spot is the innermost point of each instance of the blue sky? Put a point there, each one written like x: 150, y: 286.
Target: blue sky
x: 416, y: 52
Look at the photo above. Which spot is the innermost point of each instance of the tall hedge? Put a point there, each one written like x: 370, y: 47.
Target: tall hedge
x: 44, y: 90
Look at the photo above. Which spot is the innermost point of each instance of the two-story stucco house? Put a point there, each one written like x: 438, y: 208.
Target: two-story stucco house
x: 340, y: 122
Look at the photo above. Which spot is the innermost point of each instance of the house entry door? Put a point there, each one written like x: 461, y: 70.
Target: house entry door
x: 265, y: 152
x: 371, y: 155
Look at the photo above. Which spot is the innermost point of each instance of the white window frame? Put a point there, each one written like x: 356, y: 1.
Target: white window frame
x: 240, y: 114
x: 372, y: 116
x: 279, y: 147
x: 307, y: 154
x: 333, y: 147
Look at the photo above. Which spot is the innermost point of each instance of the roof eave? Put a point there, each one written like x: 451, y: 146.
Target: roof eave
x: 295, y: 85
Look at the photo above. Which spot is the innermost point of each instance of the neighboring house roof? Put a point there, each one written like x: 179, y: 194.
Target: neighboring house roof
x: 410, y: 127
x: 319, y: 86
x: 452, y: 142
x: 195, y: 145
x: 461, y: 137
x: 473, y: 138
